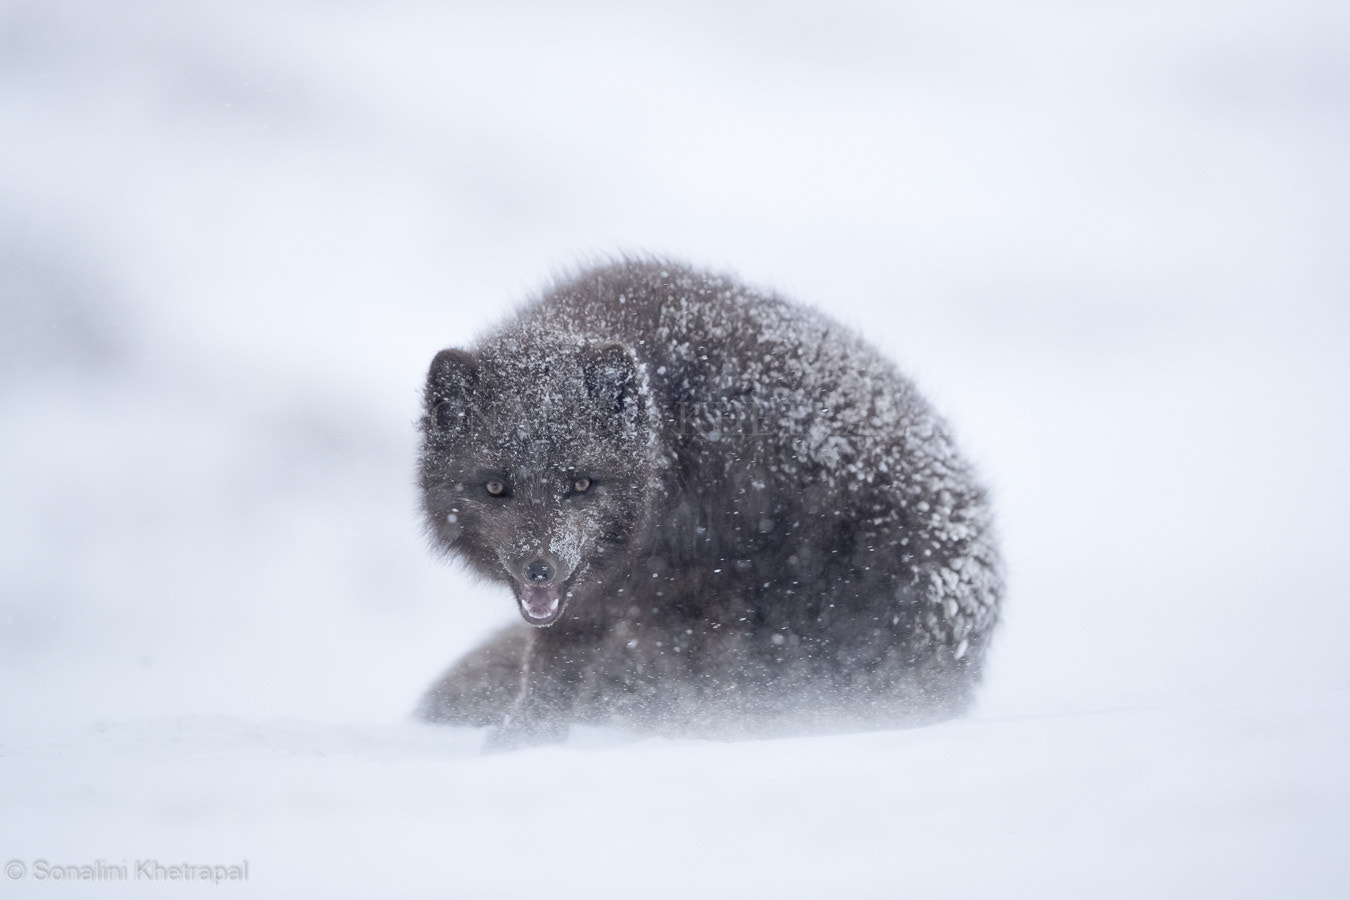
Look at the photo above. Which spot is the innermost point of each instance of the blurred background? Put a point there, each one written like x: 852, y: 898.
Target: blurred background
x: 1109, y: 240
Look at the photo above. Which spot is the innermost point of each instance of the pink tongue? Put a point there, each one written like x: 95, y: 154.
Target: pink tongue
x: 539, y: 602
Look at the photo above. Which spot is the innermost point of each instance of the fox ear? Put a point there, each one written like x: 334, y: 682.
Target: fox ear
x: 452, y: 378
x: 611, y: 377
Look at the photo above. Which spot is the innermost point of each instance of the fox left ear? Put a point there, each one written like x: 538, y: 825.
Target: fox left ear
x: 450, y: 385
x: 611, y: 377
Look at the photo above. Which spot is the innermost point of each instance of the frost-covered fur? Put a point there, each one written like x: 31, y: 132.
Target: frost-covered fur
x: 752, y: 522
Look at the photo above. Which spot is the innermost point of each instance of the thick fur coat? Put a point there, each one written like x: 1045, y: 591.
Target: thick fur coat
x: 718, y: 512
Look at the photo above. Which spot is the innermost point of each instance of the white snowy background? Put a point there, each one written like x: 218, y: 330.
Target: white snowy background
x: 1111, y: 241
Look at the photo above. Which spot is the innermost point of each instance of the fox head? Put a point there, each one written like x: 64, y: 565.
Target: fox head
x: 537, y: 468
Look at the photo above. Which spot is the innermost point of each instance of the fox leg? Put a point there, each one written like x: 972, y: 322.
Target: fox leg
x: 482, y: 687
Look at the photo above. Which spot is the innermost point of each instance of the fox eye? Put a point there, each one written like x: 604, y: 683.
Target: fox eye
x: 581, y: 485
x: 495, y: 487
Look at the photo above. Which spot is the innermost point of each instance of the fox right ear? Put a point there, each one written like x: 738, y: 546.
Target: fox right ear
x: 450, y: 381
x: 611, y: 377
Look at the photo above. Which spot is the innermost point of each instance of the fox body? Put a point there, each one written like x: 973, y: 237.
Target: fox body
x: 718, y: 512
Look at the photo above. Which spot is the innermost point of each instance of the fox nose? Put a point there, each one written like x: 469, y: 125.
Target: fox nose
x: 539, y: 571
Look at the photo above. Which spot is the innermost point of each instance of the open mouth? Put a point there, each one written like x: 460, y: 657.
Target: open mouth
x: 541, y: 605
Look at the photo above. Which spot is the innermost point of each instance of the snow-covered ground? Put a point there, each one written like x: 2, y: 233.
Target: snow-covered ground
x: 1109, y: 240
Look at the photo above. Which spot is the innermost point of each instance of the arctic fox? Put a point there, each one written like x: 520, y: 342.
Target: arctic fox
x: 718, y: 512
